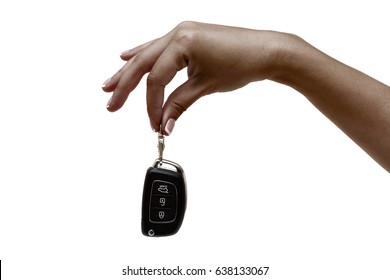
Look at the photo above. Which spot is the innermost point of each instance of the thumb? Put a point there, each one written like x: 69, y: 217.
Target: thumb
x: 179, y: 101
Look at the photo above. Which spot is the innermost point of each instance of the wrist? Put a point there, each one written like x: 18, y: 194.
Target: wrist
x: 287, y: 55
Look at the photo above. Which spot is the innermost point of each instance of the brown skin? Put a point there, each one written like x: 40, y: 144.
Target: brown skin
x: 221, y: 58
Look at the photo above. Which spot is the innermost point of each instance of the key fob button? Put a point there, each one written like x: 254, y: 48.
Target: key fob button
x: 162, y: 187
x: 166, y: 202
x: 160, y: 215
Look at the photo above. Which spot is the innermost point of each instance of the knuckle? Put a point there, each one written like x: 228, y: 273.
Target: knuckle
x: 188, y: 24
x: 187, y: 33
x: 153, y: 79
x: 141, y: 63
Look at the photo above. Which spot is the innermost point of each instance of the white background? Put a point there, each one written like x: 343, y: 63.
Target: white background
x: 271, y: 181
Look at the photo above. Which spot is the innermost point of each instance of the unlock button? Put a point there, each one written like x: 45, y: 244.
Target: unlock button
x: 163, y: 201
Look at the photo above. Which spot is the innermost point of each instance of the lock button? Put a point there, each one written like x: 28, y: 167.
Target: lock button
x: 159, y: 215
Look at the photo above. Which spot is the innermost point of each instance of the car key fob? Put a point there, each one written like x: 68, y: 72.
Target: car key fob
x: 164, y: 199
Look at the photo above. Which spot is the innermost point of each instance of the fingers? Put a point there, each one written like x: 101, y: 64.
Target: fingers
x: 180, y: 100
x: 162, y: 58
x: 122, y: 83
x: 110, y: 84
x: 126, y: 55
x: 129, y: 55
x: 168, y: 64
x: 126, y: 79
x: 115, y: 85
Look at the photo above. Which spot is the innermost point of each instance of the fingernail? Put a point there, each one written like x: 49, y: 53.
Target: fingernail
x: 169, y: 126
x: 106, y: 82
x: 109, y: 103
x: 126, y: 51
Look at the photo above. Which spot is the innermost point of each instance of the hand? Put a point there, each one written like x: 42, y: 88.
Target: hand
x: 218, y: 59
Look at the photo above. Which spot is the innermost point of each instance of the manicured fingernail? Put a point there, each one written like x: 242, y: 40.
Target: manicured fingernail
x: 169, y: 126
x: 106, y: 82
x: 126, y: 51
x: 109, y: 103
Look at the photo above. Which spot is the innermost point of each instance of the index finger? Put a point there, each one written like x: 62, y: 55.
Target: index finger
x: 129, y: 77
x: 164, y: 70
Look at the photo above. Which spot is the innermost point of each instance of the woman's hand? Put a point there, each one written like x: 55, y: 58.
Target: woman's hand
x: 218, y: 59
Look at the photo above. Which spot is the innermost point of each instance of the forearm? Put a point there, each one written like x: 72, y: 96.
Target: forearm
x: 358, y: 104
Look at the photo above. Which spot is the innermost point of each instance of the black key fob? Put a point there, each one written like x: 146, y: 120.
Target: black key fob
x: 164, y: 199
